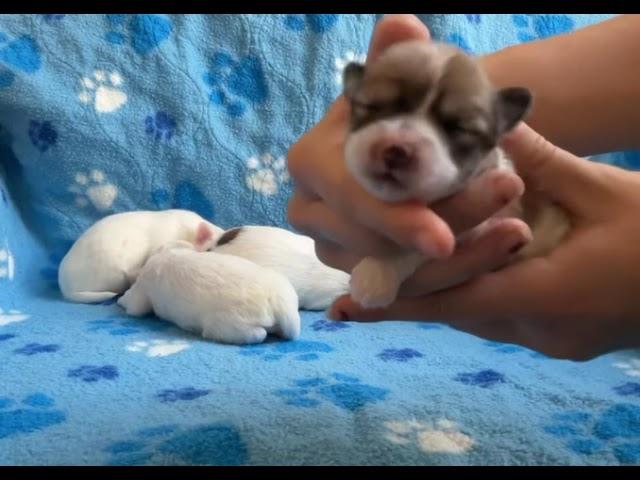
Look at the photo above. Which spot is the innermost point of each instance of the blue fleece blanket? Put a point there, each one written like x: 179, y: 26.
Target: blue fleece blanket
x: 107, y: 113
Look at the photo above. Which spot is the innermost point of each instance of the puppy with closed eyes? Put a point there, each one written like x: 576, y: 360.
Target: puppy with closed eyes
x: 425, y: 120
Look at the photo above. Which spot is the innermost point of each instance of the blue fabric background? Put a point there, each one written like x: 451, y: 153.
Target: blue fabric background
x: 106, y: 113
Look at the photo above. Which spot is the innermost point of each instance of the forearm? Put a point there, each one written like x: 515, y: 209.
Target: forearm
x: 585, y: 85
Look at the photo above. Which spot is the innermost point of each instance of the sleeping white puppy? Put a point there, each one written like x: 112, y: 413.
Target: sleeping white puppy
x: 105, y: 260
x: 221, y: 297
x: 290, y: 254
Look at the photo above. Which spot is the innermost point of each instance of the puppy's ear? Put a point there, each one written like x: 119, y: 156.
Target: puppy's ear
x: 352, y: 79
x: 511, y: 105
x: 204, y: 237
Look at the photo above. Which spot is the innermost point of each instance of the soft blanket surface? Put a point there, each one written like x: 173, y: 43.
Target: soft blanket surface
x: 107, y: 113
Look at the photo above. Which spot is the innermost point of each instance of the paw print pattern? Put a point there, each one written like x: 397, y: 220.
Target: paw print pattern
x: 144, y: 33
x: 92, y: 373
x: 35, y: 348
x: 631, y: 367
x: 186, y: 196
x: 343, y: 391
x: 217, y: 444
x: 317, y: 23
x: 160, y: 126
x: 532, y: 27
x: 399, y: 355
x: 34, y: 413
x: 235, y: 82
x: 188, y: 394
x: 103, y: 91
x: 628, y: 389
x: 6, y: 336
x: 329, y: 326
x: 443, y: 436
x: 7, y: 264
x: 302, y: 350
x: 52, y: 18
x: 460, y: 41
x: 20, y: 55
x: 342, y: 62
x: 95, y: 190
x: 474, y: 18
x: 11, y: 316
x: 508, y: 348
x: 120, y: 326
x: 266, y: 174
x: 42, y: 135
x: 483, y: 378
x: 615, y: 430
x: 158, y: 348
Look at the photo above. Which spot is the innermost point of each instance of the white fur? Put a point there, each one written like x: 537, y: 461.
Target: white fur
x: 221, y: 297
x: 293, y: 256
x: 105, y: 260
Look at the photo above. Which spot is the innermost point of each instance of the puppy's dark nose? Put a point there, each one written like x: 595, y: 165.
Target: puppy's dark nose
x: 397, y: 157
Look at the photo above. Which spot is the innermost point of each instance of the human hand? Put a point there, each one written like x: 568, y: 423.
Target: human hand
x: 577, y: 303
x: 349, y: 224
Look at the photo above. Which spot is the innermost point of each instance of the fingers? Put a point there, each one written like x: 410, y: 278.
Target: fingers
x: 565, y: 178
x: 493, y: 249
x: 481, y: 199
x: 336, y: 257
x: 393, y: 29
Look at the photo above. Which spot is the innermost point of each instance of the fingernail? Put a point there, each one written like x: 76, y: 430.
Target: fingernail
x: 426, y: 244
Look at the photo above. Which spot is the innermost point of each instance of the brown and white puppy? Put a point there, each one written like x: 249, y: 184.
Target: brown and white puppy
x: 424, y: 121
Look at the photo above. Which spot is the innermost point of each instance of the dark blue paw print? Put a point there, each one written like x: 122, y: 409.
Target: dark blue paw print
x: 6, y: 336
x: 534, y: 26
x: 42, y: 135
x: 186, y: 196
x: 629, y: 389
x: 35, y: 348
x: 218, y: 444
x: 21, y: 54
x: 343, y: 391
x: 399, y: 354
x: 318, y: 23
x: 236, y: 82
x: 187, y: 393
x: 508, y: 348
x: 616, y: 430
x: 92, y: 373
x: 329, y: 326
x: 52, y: 18
x: 50, y: 273
x: 144, y: 33
x: 303, y: 350
x: 483, y: 378
x: 3, y: 195
x: 117, y: 325
x: 33, y: 414
x: 161, y: 126
x: 473, y: 17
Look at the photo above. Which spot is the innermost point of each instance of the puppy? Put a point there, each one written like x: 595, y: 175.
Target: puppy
x: 222, y: 297
x: 424, y: 121
x: 105, y: 260
x: 293, y: 256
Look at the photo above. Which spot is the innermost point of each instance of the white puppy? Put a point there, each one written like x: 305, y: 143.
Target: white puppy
x: 105, y: 260
x: 221, y: 297
x: 293, y: 256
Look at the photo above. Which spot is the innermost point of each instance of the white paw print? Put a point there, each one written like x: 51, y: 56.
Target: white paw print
x: 94, y: 189
x: 266, y: 173
x: 631, y: 368
x: 158, y: 348
x: 7, y: 264
x: 443, y: 437
x: 11, y: 316
x: 102, y: 89
x: 347, y: 58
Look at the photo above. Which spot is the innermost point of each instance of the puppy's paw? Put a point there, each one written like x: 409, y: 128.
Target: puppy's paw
x: 374, y: 283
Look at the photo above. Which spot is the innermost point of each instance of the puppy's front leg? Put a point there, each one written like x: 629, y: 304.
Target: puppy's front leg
x: 375, y: 282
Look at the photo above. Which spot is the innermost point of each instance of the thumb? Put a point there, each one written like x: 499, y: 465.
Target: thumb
x: 393, y: 29
x: 563, y: 177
